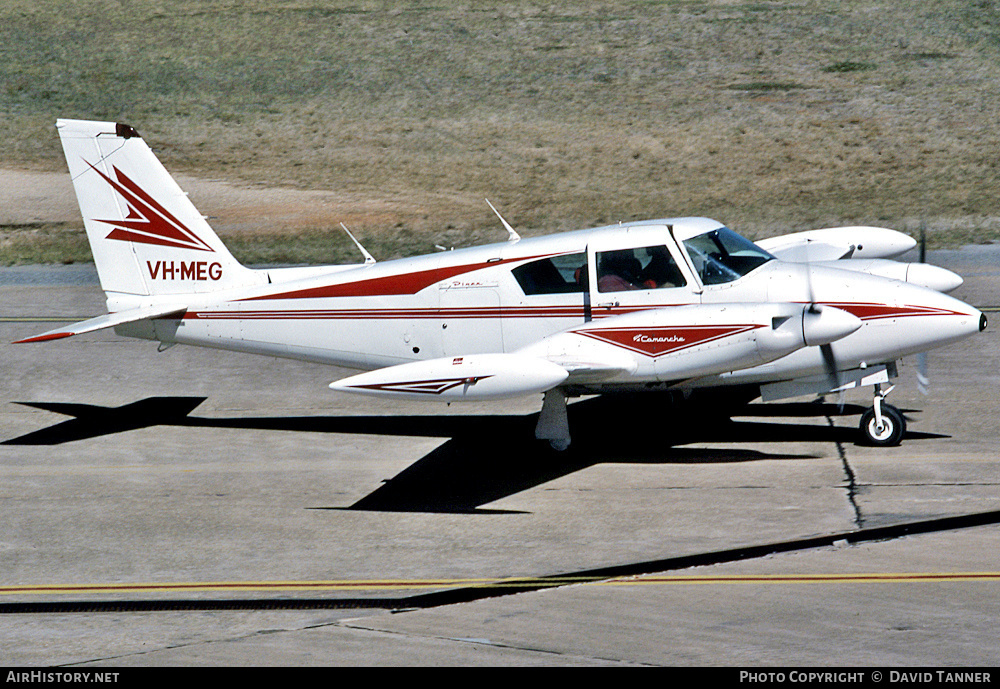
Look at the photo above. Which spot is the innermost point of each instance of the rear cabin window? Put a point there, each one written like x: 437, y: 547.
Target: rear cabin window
x: 650, y: 267
x: 555, y: 275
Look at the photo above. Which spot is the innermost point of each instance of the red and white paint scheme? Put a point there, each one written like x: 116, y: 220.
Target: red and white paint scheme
x: 670, y: 304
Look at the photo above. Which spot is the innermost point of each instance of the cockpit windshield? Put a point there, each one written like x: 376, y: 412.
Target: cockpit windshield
x: 722, y: 256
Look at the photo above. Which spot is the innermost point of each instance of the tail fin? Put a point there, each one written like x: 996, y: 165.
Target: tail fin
x: 146, y: 236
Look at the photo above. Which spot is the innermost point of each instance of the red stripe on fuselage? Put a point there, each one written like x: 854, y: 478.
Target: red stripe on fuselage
x: 873, y: 311
x: 864, y: 311
x: 335, y: 314
x: 401, y: 284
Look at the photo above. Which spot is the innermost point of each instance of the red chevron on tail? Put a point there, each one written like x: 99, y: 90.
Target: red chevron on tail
x: 148, y: 222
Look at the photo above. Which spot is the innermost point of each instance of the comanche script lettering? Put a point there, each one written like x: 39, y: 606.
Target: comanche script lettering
x: 663, y: 338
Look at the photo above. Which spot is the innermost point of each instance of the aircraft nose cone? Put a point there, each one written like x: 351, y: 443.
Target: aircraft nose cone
x: 825, y: 324
x: 934, y: 277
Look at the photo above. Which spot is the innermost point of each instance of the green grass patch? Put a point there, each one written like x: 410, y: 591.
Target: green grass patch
x: 849, y: 66
x: 37, y: 243
x: 321, y: 247
x: 65, y: 243
x: 955, y: 238
x: 764, y: 86
x: 53, y: 243
x: 566, y: 114
x: 763, y: 7
x: 931, y: 55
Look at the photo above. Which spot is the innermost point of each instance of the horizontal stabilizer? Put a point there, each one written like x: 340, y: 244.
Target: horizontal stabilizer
x: 108, y: 321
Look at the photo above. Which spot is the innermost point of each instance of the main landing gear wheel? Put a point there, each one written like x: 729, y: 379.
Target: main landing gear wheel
x: 891, y: 430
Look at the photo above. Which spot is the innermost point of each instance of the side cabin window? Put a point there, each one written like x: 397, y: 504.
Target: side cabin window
x: 554, y: 275
x: 650, y: 267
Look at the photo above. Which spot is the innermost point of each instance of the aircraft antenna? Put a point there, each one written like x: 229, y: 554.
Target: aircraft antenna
x: 369, y: 259
x: 514, y: 236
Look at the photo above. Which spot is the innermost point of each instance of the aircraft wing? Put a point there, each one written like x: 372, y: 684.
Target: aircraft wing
x: 108, y: 321
x: 835, y: 243
x: 648, y: 346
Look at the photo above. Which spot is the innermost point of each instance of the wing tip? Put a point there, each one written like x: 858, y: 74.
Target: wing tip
x: 44, y: 338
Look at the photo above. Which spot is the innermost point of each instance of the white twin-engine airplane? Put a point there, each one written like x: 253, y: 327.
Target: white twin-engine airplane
x: 674, y: 304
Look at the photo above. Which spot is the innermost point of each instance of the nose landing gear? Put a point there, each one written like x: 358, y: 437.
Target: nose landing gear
x: 883, y: 425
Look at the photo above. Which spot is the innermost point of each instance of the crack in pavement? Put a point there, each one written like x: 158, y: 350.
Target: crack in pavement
x: 852, y: 479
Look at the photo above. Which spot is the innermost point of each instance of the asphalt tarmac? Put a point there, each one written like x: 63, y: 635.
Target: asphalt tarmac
x: 198, y: 507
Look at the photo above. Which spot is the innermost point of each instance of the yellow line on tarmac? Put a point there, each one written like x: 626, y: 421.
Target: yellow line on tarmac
x: 402, y: 584
x: 859, y: 578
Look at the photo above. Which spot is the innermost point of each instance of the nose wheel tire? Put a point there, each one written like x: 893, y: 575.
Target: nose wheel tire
x: 892, y: 429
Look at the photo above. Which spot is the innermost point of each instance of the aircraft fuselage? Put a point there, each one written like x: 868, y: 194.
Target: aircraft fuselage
x: 498, y: 298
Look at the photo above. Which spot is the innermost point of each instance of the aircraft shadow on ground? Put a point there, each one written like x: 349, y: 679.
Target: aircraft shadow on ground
x: 486, y: 458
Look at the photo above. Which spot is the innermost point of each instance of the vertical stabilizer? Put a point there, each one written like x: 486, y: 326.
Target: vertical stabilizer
x: 146, y: 236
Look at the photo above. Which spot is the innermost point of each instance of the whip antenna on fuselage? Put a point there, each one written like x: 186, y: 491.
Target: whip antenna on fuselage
x: 514, y: 236
x: 368, y: 257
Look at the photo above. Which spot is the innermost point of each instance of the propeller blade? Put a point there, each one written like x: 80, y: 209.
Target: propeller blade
x: 826, y: 350
x: 923, y: 242
x: 923, y: 380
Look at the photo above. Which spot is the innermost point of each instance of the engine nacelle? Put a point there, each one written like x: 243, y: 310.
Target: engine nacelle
x: 923, y: 274
x: 835, y: 243
x: 683, y: 342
